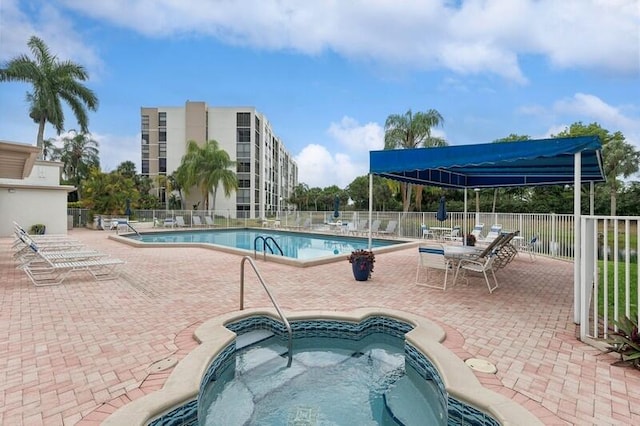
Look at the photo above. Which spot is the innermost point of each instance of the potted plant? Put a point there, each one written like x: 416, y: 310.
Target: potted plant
x: 38, y: 229
x: 362, y: 264
x: 470, y: 240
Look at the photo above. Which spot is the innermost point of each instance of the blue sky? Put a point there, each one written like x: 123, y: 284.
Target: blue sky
x: 327, y: 74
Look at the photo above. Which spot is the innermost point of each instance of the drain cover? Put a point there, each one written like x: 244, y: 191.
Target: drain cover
x: 161, y: 365
x: 481, y: 365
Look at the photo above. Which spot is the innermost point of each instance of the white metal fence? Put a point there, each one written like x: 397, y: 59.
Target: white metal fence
x: 609, y: 273
x: 554, y: 231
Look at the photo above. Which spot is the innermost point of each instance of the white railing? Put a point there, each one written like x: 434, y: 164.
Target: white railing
x: 610, y: 282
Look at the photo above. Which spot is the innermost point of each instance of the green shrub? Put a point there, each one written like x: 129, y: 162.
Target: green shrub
x: 37, y: 229
x: 626, y: 342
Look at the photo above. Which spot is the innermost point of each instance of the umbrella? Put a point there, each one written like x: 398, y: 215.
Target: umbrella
x: 336, y: 207
x: 127, y: 210
x: 442, y: 210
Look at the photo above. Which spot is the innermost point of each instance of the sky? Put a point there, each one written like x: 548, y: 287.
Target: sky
x: 327, y: 74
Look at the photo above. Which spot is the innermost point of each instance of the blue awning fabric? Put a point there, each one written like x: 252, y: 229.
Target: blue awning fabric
x: 522, y: 163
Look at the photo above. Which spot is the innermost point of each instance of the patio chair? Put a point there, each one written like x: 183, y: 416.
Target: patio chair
x: 481, y: 265
x: 46, y: 271
x: 427, y: 233
x: 180, y: 221
x: 530, y: 248
x: 362, y: 227
x: 431, y: 258
x: 477, y: 231
x: 454, y: 235
x: 494, y: 231
x: 390, y: 229
x: 196, y: 221
x: 209, y: 221
x: 36, y: 254
x: 375, y: 227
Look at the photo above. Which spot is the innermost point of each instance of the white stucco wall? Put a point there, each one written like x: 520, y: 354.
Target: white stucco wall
x: 37, y: 199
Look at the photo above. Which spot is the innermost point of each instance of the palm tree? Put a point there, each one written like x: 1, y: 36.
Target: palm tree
x: 207, y: 167
x: 52, y: 81
x: 412, y: 131
x: 79, y: 153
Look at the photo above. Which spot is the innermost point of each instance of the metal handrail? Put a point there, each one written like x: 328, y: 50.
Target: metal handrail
x: 273, y: 301
x: 265, y: 244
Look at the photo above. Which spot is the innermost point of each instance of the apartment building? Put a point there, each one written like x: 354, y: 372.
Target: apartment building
x: 266, y: 171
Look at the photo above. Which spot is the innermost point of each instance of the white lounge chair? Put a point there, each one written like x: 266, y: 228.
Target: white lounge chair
x: 209, y: 221
x: 196, y: 221
x: 375, y: 226
x: 44, y: 271
x: 494, y: 231
x: 431, y: 258
x: 390, y: 229
x: 180, y: 221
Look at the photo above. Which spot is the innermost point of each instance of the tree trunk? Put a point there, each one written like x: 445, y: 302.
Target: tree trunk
x: 613, y: 203
x: 495, y: 199
x: 40, y: 138
x: 406, y: 198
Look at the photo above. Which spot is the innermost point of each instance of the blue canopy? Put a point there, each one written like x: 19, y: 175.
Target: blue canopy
x: 522, y: 163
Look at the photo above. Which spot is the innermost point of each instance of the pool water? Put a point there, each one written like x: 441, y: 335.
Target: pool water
x: 330, y: 382
x: 296, y: 245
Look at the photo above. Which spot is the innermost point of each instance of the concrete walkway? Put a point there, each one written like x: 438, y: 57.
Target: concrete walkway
x: 73, y: 353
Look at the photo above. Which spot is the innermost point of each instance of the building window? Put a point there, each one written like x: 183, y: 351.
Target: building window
x: 162, y: 165
x: 244, y: 135
x: 243, y: 119
x: 243, y: 167
x: 243, y: 196
x: 162, y: 136
x: 145, y: 167
x: 162, y: 119
x: 243, y: 150
x: 244, y: 183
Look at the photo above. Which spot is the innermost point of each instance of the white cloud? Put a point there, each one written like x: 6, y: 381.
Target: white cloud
x: 50, y: 24
x: 319, y: 167
x: 593, y: 108
x: 488, y: 36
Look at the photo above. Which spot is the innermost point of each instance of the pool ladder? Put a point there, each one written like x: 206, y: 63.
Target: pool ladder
x: 273, y: 301
x: 265, y: 245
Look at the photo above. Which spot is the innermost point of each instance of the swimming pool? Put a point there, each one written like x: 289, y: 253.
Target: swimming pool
x: 299, y: 248
x: 413, y: 369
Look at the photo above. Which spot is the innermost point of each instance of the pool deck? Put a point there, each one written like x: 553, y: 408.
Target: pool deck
x: 73, y: 353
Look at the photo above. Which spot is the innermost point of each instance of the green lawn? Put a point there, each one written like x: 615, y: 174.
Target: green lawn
x: 633, y: 289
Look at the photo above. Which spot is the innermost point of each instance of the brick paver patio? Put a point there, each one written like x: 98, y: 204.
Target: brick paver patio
x: 73, y: 353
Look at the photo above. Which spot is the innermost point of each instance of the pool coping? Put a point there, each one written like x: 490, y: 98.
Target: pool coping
x: 183, y: 384
x: 122, y: 238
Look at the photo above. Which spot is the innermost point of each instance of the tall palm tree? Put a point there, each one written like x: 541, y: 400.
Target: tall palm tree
x: 52, y: 81
x: 207, y: 167
x: 79, y: 153
x: 410, y: 130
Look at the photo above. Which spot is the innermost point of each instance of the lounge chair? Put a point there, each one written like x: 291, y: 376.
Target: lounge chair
x: 477, y: 231
x: 390, y: 229
x: 196, y: 221
x: 375, y: 226
x: 44, y: 271
x: 494, y: 231
x: 36, y: 254
x: 454, y: 235
x: 431, y: 257
x: 209, y: 221
x: 180, y: 222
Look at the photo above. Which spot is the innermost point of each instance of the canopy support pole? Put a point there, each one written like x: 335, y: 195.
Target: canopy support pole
x: 577, y: 245
x: 370, y: 208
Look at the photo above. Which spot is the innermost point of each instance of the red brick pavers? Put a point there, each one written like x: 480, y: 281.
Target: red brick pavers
x: 73, y: 353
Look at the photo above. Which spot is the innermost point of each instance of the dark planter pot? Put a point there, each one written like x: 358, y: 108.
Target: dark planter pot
x: 361, y: 268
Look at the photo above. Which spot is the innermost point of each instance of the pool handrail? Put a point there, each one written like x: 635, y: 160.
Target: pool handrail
x: 284, y: 319
x: 265, y: 244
